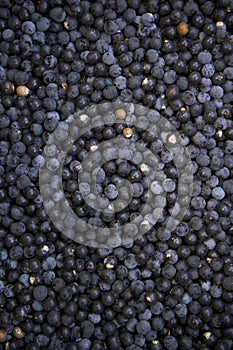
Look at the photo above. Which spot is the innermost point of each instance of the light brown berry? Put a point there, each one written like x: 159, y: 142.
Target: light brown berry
x: 3, y: 335
x: 18, y: 332
x: 182, y: 28
x: 22, y: 91
x: 120, y: 114
x: 128, y: 132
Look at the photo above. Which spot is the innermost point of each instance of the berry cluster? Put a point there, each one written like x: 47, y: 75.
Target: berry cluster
x: 161, y: 291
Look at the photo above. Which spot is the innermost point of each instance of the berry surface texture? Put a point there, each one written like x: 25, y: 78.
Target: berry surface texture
x: 116, y: 175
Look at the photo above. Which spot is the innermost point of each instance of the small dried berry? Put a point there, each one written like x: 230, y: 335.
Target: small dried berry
x: 22, y: 91
x: 120, y: 114
x: 128, y: 132
x: 18, y: 333
x: 182, y: 28
x: 3, y: 335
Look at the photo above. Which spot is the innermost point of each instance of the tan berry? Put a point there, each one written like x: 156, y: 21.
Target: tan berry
x: 120, y: 114
x: 18, y: 333
x: 182, y: 28
x: 128, y: 132
x: 3, y: 335
x: 22, y: 91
